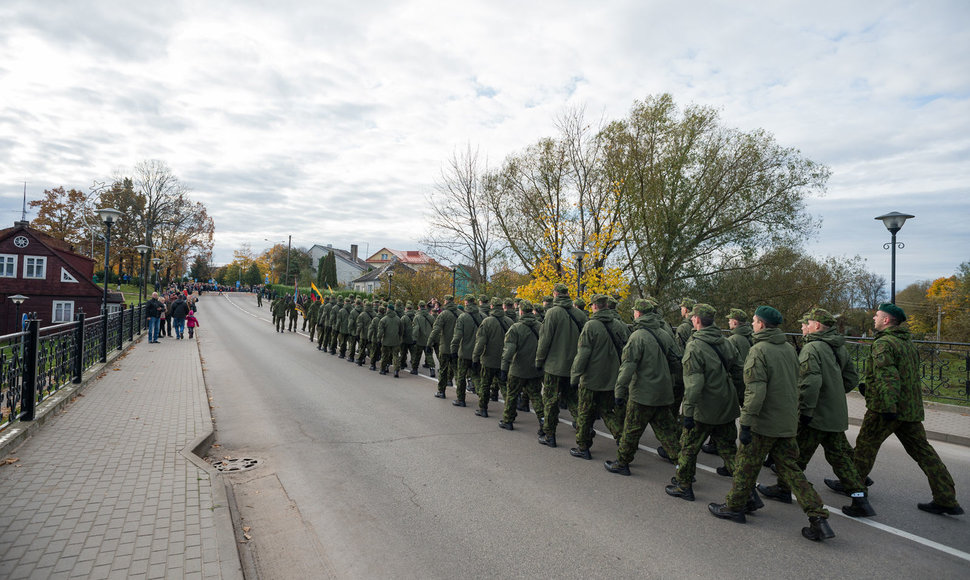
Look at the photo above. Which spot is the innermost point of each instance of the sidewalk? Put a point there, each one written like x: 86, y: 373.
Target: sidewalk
x: 111, y: 488
x: 949, y: 423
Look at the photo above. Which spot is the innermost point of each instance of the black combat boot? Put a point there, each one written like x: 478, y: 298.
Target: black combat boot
x: 617, y: 467
x: 439, y: 395
x: 458, y: 402
x: 860, y: 508
x: 547, y: 440
x: 724, y: 471
x: 754, y: 503
x: 775, y: 492
x: 720, y: 510
x: 504, y: 425
x: 818, y: 529
x: 935, y: 508
x: 581, y: 453
x: 709, y: 447
x: 684, y: 493
x: 481, y: 413
x: 396, y: 376
x: 432, y: 373
x: 373, y: 367
x: 414, y: 371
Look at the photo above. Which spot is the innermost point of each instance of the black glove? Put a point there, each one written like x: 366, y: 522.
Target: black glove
x: 621, y: 403
x: 503, y: 375
x: 539, y: 368
x: 862, y: 389
x: 574, y: 385
x: 688, y: 423
x: 477, y: 367
x: 804, y: 420
x: 889, y: 416
x: 745, y: 435
x: 428, y: 350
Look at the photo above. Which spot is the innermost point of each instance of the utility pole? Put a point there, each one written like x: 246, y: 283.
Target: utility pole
x: 939, y: 320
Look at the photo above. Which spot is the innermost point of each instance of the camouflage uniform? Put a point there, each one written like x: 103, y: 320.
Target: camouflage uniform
x: 375, y: 344
x: 293, y: 314
x: 352, y: 329
x: 408, y: 342
x: 363, y: 327
x: 894, y: 406
x: 487, y: 354
x: 390, y: 332
x: 311, y: 315
x: 557, y: 349
x: 421, y: 331
x: 442, y: 334
x: 462, y: 345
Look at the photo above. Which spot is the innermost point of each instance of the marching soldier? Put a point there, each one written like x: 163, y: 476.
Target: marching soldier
x: 462, y: 345
x: 442, y: 334
x: 686, y: 328
x: 421, y: 333
x: 292, y: 312
x: 894, y: 406
x: 313, y: 311
x: 769, y: 419
x: 644, y: 387
x: 518, y: 366
x: 554, y: 355
x: 375, y: 348
x: 407, y: 319
x: 825, y: 375
x: 487, y: 355
x: 390, y: 331
x: 363, y: 326
x: 352, y: 329
x: 593, y: 374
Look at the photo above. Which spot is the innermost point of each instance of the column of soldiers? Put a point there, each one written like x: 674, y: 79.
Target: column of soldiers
x: 689, y: 384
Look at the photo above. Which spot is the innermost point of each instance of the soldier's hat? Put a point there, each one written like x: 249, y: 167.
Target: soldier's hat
x: 547, y: 298
x: 894, y: 311
x: 422, y: 304
x: 687, y: 303
x: 644, y: 305
x: 509, y: 302
x: 525, y: 305
x: 611, y: 301
x: 561, y: 289
x: 469, y: 297
x: 482, y: 299
x: 449, y: 298
x: 390, y: 306
x: 409, y: 304
x: 823, y: 316
x: 517, y: 300
x: 703, y: 310
x: 579, y: 303
x: 769, y: 315
x: 496, y: 301
x: 600, y: 300
x: 737, y: 314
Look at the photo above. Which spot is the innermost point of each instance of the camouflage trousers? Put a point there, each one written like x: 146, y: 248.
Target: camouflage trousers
x: 876, y: 429
x: 465, y: 378
x: 331, y: 343
x: 751, y: 459
x: 488, y: 384
x: 351, y: 346
x: 389, y: 353
x: 324, y: 334
x: 531, y: 387
x: 447, y: 370
x: 725, y: 437
x: 556, y: 389
x: 838, y: 453
x: 635, y: 423
x: 293, y: 323
x: 678, y: 400
x: 362, y: 349
x: 342, y: 344
x: 405, y: 351
x: 416, y: 351
x: 590, y: 406
x: 375, y: 352
x: 313, y: 331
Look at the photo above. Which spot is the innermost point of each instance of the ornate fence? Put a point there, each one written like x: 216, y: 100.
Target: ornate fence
x: 944, y: 366
x: 37, y: 362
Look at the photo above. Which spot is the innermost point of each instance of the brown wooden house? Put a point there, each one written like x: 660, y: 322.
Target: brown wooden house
x: 57, y: 281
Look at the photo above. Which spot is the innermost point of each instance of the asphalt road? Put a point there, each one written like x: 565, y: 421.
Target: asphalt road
x: 366, y: 476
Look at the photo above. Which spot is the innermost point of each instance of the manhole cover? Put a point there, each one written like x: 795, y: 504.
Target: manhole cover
x: 234, y: 465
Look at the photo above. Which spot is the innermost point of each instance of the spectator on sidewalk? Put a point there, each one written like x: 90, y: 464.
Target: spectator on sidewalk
x: 192, y: 322
x: 180, y: 309
x: 163, y: 317
x: 153, y: 310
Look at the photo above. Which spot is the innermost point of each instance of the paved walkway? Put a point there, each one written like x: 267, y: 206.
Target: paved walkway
x: 950, y: 423
x: 110, y: 489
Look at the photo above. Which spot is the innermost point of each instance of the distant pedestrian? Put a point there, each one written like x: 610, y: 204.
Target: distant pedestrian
x: 191, y: 322
x: 153, y: 311
x: 180, y: 309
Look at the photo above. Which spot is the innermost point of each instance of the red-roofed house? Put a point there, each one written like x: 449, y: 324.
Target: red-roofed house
x: 415, y: 259
x: 56, y: 281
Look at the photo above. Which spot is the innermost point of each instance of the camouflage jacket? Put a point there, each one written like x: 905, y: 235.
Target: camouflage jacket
x: 421, y: 327
x: 892, y: 375
x: 363, y: 322
x: 390, y: 329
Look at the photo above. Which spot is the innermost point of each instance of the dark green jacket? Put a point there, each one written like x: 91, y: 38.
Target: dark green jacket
x: 709, y: 385
x: 444, y: 329
x: 490, y: 339
x: 560, y: 336
x: 650, y: 362
x: 825, y: 375
x: 363, y: 322
x: 683, y: 333
x: 352, y: 319
x: 421, y: 327
x: 313, y: 311
x: 892, y: 375
x: 372, y: 331
x: 390, y: 330
x: 323, y: 318
x: 463, y: 338
x: 519, y: 352
x: 771, y: 386
x: 597, y: 358
x: 408, y: 320
x: 741, y: 339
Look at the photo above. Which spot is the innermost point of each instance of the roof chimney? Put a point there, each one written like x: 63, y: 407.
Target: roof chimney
x: 353, y: 253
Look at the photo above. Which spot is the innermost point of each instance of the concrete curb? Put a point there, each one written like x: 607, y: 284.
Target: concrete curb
x: 12, y: 437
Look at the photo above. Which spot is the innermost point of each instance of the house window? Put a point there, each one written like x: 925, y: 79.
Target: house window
x: 67, y: 277
x: 35, y: 267
x: 383, y: 256
x: 63, y: 311
x: 8, y: 266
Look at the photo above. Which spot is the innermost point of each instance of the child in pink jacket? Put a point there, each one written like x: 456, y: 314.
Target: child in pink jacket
x: 191, y: 321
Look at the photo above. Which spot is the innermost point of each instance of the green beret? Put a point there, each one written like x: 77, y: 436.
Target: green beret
x: 525, y: 306
x: 737, y: 314
x: 823, y: 316
x: 611, y: 301
x: 703, y: 310
x: 893, y: 310
x: 600, y: 300
x: 769, y: 315
x: 561, y: 289
x: 687, y: 303
x: 645, y: 305
x: 579, y: 303
x: 390, y: 306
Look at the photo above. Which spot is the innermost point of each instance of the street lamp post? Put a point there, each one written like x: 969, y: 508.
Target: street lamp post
x: 894, y: 222
x: 454, y: 280
x: 390, y: 283
x: 142, y: 250
x: 18, y: 299
x: 579, y: 255
x: 155, y: 263
x: 108, y: 216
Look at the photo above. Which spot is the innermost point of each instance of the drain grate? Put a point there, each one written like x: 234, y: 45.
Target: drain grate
x: 236, y: 465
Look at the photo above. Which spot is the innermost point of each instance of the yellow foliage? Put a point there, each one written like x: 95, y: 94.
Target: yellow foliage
x: 608, y: 281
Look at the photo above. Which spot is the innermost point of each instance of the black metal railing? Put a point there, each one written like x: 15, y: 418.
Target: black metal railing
x: 944, y: 366
x: 37, y: 362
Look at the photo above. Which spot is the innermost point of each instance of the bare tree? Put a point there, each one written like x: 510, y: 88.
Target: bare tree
x: 461, y: 220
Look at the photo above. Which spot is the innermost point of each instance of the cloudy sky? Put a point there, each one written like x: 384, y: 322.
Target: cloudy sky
x: 329, y: 121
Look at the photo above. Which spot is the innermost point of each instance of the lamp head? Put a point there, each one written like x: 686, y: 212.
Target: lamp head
x: 894, y: 220
x: 142, y: 249
x: 108, y: 215
x: 18, y: 299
